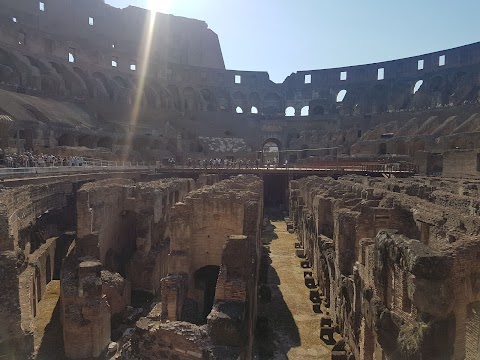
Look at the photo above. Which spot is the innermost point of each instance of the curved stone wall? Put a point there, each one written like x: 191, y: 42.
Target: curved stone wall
x: 186, y: 69
x: 189, y: 95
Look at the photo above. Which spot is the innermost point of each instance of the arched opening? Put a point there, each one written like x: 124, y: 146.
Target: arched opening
x: 240, y: 99
x: 318, y: 110
x: 38, y: 285
x: 66, y: 140
x: 271, y: 153
x: 175, y: 95
x: 191, y: 99
x: 273, y: 104
x: 206, y: 280
x: 341, y: 95
x: 239, y: 110
x: 34, y: 299
x: 117, y: 259
x: 106, y: 84
x: 224, y: 101
x: 290, y: 111
x: 209, y: 100
x: 255, y: 100
x: 84, y: 77
x: 382, y: 149
x: 254, y: 110
x: 417, y: 86
x: 87, y: 141
x: 106, y: 143
x: 48, y: 270
x: 37, y: 114
x: 122, y: 82
x: 305, y: 111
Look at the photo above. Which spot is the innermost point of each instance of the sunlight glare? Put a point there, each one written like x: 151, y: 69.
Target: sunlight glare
x: 148, y: 37
x: 161, y: 6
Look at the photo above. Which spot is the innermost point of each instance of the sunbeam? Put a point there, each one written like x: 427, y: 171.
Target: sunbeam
x: 145, y: 53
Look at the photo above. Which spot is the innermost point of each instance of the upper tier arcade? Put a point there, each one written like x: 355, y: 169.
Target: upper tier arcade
x: 91, y: 50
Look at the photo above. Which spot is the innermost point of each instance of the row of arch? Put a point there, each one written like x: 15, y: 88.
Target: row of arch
x: 59, y: 78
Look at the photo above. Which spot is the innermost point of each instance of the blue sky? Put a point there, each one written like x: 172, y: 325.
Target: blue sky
x: 284, y: 36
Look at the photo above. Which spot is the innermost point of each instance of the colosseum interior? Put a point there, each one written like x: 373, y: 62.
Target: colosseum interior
x: 156, y: 205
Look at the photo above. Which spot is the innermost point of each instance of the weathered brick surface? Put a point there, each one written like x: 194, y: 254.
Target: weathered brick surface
x: 396, y: 260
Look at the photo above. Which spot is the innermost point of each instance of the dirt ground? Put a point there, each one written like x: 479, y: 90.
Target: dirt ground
x: 48, y: 337
x: 294, y: 328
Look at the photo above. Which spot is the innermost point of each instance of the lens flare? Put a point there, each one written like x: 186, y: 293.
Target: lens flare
x: 144, y: 57
x: 162, y: 6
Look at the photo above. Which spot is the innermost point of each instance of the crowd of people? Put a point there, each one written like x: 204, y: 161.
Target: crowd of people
x: 219, y: 163
x: 29, y: 159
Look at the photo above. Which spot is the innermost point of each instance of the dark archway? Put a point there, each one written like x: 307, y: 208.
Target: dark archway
x: 48, y: 270
x: 106, y: 84
x: 206, y: 280
x: 34, y: 299
x: 83, y: 75
x: 87, y: 141
x: 209, y: 99
x: 66, y: 140
x: 271, y: 152
x: 105, y: 142
x: 38, y: 285
x: 382, y: 149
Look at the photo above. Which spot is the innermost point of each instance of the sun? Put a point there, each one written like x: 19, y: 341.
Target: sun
x: 161, y: 6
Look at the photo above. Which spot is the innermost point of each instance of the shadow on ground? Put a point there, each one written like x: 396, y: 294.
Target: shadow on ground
x: 51, y: 347
x: 273, y: 312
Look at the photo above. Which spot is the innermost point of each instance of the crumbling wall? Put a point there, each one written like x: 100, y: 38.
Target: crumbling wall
x: 32, y: 218
x: 216, y: 227
x: 125, y: 225
x: 394, y: 268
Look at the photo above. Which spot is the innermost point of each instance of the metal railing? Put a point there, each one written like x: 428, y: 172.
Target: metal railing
x: 88, y: 165
x: 361, y: 168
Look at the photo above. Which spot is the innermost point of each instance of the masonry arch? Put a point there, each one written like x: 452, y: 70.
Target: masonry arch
x: 87, y: 141
x: 209, y: 100
x: 105, y: 85
x: 417, y: 86
x: 271, y: 152
x: 290, y: 111
x: 239, y: 100
x: 175, y: 95
x: 66, y: 140
x: 8, y: 71
x: 439, y: 90
x: 105, y: 142
x: 206, y: 281
x: 382, y: 149
x: 272, y: 104
x: 224, y: 101
x: 150, y: 96
x: 117, y: 255
x: 48, y: 269
x: 83, y: 75
x: 341, y: 95
x: 191, y: 100
x: 73, y: 82
x: 254, y: 110
x: 120, y: 80
x: 379, y: 99
x: 463, y: 88
x: 305, y: 111
x: 255, y: 100
x: 36, y: 114
x: 239, y: 110
x: 164, y: 98
x: 38, y: 285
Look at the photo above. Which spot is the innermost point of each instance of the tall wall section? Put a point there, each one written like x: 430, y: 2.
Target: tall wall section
x: 82, y: 61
